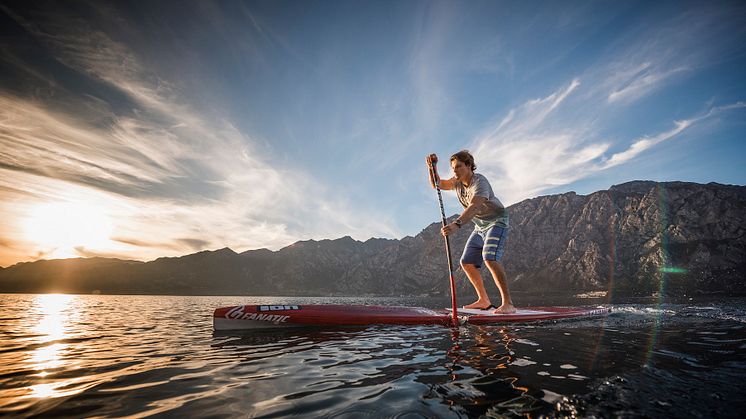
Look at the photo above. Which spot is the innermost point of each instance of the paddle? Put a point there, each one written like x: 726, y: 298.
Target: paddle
x: 448, y: 244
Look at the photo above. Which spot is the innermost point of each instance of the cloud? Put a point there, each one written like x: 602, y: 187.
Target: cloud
x: 643, y: 144
x: 491, y: 57
x: 632, y: 75
x: 658, y: 53
x: 531, y: 150
x: 163, y: 169
x: 563, y: 137
x: 82, y: 251
x: 159, y: 186
x: 641, y: 83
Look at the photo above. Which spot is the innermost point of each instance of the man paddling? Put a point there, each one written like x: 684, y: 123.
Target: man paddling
x: 487, y: 241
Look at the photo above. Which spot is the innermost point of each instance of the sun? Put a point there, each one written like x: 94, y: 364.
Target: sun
x: 60, y: 227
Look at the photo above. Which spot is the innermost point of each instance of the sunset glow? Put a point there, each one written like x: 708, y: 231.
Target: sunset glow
x: 61, y: 227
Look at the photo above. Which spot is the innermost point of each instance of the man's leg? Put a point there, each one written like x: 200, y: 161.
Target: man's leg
x: 501, y: 280
x: 471, y: 261
x: 493, y: 252
x: 475, y: 277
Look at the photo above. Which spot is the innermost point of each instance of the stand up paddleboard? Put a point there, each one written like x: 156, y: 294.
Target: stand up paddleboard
x: 274, y: 316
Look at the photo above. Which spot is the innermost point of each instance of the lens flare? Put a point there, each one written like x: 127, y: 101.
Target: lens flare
x: 672, y: 270
x: 664, y: 270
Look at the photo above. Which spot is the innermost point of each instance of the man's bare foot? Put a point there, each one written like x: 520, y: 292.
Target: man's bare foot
x: 480, y: 305
x: 505, y: 309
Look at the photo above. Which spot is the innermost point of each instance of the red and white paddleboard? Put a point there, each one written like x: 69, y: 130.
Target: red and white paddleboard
x: 265, y: 316
x: 273, y: 316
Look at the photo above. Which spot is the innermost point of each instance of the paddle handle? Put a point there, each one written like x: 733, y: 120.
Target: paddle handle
x: 454, y: 312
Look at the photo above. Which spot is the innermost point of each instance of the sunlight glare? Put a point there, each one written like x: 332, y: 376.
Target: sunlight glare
x: 43, y: 391
x: 53, y: 318
x: 48, y: 357
x: 50, y: 390
x: 61, y: 227
x: 52, y: 312
x: 51, y: 326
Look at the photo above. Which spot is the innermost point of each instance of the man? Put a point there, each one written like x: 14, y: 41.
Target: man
x: 490, y: 217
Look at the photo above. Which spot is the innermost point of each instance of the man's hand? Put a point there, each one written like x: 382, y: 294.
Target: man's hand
x: 449, y: 229
x: 431, y: 161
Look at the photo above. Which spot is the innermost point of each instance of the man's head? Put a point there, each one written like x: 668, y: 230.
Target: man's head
x: 466, y: 158
x: 463, y: 165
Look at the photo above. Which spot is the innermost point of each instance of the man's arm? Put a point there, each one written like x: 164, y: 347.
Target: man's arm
x: 476, y: 204
x: 445, y: 184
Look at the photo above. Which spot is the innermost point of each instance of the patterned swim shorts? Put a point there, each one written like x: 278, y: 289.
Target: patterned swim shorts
x: 485, y: 245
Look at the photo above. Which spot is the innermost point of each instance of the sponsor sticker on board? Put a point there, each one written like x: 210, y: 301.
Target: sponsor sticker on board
x: 277, y: 308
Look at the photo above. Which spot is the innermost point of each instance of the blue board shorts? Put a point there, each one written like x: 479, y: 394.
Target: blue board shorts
x: 485, y: 245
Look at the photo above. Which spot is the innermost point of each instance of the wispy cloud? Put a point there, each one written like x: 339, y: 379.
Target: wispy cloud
x: 657, y: 54
x: 529, y: 151
x: 173, y: 180
x: 632, y: 75
x: 642, y: 144
x: 640, y: 83
x: 561, y: 138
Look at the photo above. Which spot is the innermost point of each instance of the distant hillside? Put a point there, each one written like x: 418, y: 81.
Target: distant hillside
x: 638, y: 237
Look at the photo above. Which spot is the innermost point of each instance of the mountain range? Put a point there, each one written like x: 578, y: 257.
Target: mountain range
x: 639, y: 238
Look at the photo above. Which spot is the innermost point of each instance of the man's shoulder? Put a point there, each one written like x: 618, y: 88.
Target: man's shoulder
x: 479, y: 178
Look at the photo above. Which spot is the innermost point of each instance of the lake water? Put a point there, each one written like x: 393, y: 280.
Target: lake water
x: 115, y: 356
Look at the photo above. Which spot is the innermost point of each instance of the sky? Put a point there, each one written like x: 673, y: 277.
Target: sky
x: 147, y: 129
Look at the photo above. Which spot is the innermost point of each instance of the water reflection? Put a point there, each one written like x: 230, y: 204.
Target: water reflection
x: 52, y: 315
x: 486, y: 382
x: 50, y: 311
x: 47, y: 358
x: 41, y: 391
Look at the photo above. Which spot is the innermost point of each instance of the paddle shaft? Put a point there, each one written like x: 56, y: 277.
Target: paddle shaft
x: 448, y: 247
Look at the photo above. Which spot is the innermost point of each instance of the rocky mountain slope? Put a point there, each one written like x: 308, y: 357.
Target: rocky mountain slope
x: 638, y: 237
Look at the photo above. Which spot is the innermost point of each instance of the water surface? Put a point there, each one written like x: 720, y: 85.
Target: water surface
x: 114, y: 356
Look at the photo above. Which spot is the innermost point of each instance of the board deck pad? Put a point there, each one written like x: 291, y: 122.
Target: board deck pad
x: 274, y: 316
x: 530, y: 314
x: 479, y: 312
